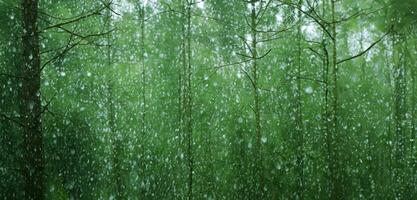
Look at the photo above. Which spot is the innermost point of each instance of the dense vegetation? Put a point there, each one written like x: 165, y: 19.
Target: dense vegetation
x: 215, y: 99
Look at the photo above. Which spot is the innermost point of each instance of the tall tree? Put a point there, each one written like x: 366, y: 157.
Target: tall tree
x: 399, y: 112
x: 400, y: 17
x: 31, y: 103
x: 143, y: 66
x: 188, y: 97
x: 337, y: 188
x: 116, y: 137
x: 185, y: 91
x: 299, y: 130
x: 256, y: 99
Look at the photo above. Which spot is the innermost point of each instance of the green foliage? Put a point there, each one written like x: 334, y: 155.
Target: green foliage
x: 129, y: 143
x: 403, y: 15
x: 72, y: 162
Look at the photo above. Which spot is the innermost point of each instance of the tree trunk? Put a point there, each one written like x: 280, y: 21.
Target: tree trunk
x: 326, y: 107
x: 33, y: 171
x: 142, y: 44
x: 299, y: 116
x: 336, y: 187
x: 413, y: 152
x: 186, y: 85
x: 399, y: 115
x: 116, y: 147
x: 116, y: 142
x: 255, y: 75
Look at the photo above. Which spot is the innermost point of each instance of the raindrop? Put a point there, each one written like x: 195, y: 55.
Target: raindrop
x: 264, y: 139
x: 240, y: 120
x: 309, y: 90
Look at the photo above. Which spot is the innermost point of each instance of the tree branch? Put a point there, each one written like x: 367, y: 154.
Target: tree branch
x: 97, y: 12
x: 367, y: 49
x: 70, y: 46
x: 320, y: 22
x: 11, y: 119
x: 314, y: 51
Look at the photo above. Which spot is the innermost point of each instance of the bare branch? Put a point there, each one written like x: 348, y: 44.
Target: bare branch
x: 314, y: 51
x: 70, y: 46
x: 97, y: 12
x: 12, y: 120
x: 159, y: 13
x: 108, y: 6
x: 319, y: 21
x: 249, y: 77
x: 312, y: 79
x: 312, y: 41
x: 276, y: 32
x: 231, y: 64
x: 244, y: 55
x: 362, y: 13
x: 259, y: 15
x: 222, y: 66
x: 270, y: 39
x: 263, y: 56
x: 367, y: 49
x: 246, y: 43
x: 46, y: 106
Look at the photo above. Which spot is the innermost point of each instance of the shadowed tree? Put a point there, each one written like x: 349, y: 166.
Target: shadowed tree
x: 30, y: 107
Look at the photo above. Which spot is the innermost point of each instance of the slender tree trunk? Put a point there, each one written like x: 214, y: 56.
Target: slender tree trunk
x: 181, y: 74
x: 115, y: 137
x: 116, y: 146
x: 143, y: 102
x: 413, y: 151
x: 399, y: 115
x: 327, y: 109
x: 142, y: 44
x: 299, y: 116
x: 181, y: 103
x: 369, y: 184
x: 336, y: 187
x: 390, y: 134
x: 33, y: 170
x: 256, y: 99
x: 190, y: 109
x: 181, y: 92
x: 187, y: 109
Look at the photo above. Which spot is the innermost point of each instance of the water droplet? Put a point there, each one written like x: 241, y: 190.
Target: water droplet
x: 31, y: 105
x: 240, y: 120
x: 264, y: 139
x: 309, y: 90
